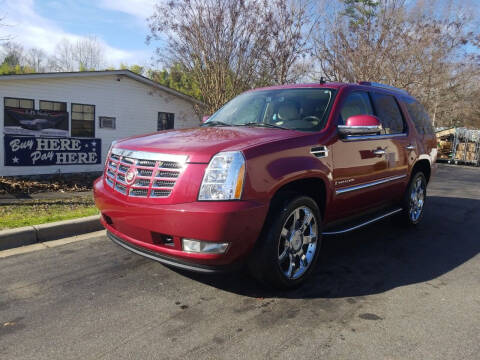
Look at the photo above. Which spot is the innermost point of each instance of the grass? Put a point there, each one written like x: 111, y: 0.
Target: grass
x: 37, y: 212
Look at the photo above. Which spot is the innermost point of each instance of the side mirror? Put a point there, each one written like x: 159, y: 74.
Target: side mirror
x: 361, y: 125
x: 205, y: 118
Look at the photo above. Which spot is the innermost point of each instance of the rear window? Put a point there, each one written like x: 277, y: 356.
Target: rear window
x: 419, y: 116
x: 389, y: 113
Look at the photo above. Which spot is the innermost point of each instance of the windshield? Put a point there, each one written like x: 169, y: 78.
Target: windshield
x: 304, y: 109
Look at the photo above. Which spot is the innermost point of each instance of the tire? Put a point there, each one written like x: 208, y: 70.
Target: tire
x: 414, y: 200
x: 287, y: 250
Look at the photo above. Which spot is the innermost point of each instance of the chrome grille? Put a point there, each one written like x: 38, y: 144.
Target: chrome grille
x: 121, y: 188
x: 145, y: 172
x: 167, y: 174
x: 142, y: 182
x: 139, y: 192
x: 156, y: 174
x: 160, y: 193
x: 164, y: 183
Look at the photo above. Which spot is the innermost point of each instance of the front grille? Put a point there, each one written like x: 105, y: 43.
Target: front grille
x: 145, y: 172
x: 160, y: 193
x: 142, y: 182
x: 167, y: 174
x: 164, y: 183
x: 155, y: 174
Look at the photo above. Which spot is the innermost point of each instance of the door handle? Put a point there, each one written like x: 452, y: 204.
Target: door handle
x: 379, y: 152
x: 410, y: 147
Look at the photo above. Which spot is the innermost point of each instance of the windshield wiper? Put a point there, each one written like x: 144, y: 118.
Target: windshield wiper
x: 262, y: 124
x: 215, y: 123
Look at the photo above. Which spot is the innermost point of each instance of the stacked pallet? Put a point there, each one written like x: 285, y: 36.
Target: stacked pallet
x: 445, y: 149
x: 445, y: 141
x: 459, y: 145
x: 466, y: 152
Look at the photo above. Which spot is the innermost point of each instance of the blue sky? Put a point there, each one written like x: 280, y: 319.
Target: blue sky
x: 120, y: 24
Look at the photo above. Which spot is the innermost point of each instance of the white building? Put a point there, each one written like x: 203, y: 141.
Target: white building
x: 65, y: 122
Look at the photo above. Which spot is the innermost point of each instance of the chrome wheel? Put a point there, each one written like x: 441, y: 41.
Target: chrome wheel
x: 298, y: 242
x: 417, y: 199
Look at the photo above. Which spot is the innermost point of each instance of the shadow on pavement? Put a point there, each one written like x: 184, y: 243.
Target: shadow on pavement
x: 380, y: 257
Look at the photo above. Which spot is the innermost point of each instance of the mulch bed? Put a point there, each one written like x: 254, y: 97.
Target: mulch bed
x: 62, y: 183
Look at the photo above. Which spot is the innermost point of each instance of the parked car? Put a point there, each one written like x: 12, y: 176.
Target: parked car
x: 264, y: 178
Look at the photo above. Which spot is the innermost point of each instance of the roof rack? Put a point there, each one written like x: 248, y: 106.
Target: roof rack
x: 383, y: 86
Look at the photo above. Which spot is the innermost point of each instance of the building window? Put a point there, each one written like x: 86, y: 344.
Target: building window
x: 83, y: 120
x: 53, y: 106
x: 165, y: 121
x: 19, y: 103
x: 107, y: 122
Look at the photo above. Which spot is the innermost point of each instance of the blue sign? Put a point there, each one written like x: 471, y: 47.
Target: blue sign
x: 37, y: 151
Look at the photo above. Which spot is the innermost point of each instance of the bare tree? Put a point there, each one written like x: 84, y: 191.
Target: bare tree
x: 84, y: 54
x: 89, y: 53
x: 3, y: 36
x: 289, y: 24
x: 12, y: 53
x: 229, y: 46
x: 36, y: 59
x: 216, y: 40
x: 408, y: 45
x: 62, y: 59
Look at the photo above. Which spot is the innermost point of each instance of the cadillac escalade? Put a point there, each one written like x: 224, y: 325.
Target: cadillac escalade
x: 262, y: 180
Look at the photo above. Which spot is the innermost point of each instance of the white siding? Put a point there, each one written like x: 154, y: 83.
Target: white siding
x: 134, y: 105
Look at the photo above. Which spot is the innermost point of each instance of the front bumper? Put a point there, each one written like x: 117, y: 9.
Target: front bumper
x: 140, y: 227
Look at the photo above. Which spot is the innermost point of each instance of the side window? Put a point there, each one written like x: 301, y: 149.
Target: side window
x: 419, y: 116
x: 357, y: 103
x: 389, y: 113
x: 165, y: 121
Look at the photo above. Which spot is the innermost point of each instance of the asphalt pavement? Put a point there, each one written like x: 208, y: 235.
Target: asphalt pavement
x: 383, y: 292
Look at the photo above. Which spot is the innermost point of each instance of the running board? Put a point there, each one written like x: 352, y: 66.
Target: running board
x: 358, y: 226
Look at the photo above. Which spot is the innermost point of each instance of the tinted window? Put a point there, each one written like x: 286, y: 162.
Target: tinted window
x: 357, y: 103
x: 389, y: 113
x: 419, y: 116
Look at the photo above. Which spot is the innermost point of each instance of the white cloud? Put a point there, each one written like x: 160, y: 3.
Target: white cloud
x: 30, y: 29
x: 138, y: 8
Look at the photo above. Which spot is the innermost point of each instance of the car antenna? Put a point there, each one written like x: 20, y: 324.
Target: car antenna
x: 322, y: 80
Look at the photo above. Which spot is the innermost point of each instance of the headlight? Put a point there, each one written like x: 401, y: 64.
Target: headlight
x: 224, y: 176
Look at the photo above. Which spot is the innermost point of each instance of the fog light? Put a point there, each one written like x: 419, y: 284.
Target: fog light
x: 206, y: 247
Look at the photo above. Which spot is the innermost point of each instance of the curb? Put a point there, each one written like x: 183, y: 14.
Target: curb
x: 46, y: 232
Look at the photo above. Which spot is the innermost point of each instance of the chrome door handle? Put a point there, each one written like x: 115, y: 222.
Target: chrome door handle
x: 379, y: 152
x: 410, y: 147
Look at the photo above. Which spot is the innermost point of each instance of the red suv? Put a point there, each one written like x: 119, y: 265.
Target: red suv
x: 265, y: 177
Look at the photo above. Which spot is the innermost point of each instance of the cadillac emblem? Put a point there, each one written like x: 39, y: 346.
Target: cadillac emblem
x: 130, y: 176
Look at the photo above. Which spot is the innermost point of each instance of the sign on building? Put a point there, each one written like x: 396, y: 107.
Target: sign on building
x: 35, y: 151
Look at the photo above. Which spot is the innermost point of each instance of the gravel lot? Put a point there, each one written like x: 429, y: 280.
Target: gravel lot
x: 383, y: 292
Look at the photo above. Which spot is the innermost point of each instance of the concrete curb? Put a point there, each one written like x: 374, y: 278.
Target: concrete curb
x: 51, y: 231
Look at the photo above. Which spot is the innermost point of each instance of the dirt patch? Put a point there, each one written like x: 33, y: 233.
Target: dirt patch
x: 55, y: 183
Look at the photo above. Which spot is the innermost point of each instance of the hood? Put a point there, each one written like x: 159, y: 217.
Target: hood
x: 200, y: 144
